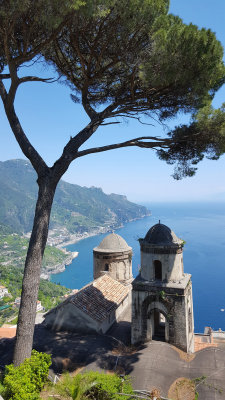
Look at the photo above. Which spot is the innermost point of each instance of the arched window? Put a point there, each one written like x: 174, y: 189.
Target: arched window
x: 106, y: 267
x: 158, y: 270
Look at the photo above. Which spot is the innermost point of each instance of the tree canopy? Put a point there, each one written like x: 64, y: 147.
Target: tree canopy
x: 205, y: 135
x: 141, y: 61
x: 162, y: 68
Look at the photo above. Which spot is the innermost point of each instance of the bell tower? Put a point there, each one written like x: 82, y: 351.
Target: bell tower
x: 162, y: 306
x: 113, y: 257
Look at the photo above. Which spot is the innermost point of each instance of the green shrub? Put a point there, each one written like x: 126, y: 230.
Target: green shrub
x: 2, y: 389
x: 93, y: 385
x: 27, y: 380
x: 107, y: 386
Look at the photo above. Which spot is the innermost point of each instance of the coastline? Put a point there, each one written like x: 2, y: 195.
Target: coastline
x: 74, y: 238
x: 55, y: 269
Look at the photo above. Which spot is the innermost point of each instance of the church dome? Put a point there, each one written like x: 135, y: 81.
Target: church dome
x: 161, y: 235
x: 112, y: 243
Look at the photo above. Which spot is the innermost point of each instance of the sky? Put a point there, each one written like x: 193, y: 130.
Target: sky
x: 49, y: 118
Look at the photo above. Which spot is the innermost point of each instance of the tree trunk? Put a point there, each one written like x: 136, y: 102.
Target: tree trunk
x: 31, y: 279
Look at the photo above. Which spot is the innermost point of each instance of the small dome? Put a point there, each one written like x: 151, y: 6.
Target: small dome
x: 113, y: 243
x: 161, y: 235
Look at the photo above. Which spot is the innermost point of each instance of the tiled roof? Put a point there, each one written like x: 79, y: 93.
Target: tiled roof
x: 7, y: 332
x: 100, y: 297
x: 204, y: 341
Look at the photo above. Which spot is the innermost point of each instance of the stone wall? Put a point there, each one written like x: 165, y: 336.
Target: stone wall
x: 117, y: 265
x: 68, y: 317
x: 173, y: 303
x: 171, y: 260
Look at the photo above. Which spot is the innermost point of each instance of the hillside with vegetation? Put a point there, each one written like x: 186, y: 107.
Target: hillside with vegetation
x: 75, y: 208
x: 11, y: 277
x: 13, y: 250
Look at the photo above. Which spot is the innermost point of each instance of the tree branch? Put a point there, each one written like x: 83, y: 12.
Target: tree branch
x: 29, y: 151
x: 111, y: 123
x: 132, y: 117
x: 3, y: 92
x: 162, y: 143
x: 36, y: 50
x: 37, y: 79
x: 87, y: 107
x: 70, y: 151
x: 33, y: 62
x: 5, y: 76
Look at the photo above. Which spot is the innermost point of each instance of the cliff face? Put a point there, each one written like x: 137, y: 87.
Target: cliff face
x: 78, y: 209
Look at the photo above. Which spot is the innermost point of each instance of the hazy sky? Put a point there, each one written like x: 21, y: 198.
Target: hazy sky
x: 49, y: 118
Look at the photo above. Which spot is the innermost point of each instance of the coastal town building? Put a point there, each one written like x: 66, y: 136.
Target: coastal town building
x: 39, y: 305
x: 7, y: 331
x: 3, y: 291
x: 160, y: 297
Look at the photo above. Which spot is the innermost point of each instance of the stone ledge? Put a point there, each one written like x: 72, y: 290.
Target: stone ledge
x: 141, y: 284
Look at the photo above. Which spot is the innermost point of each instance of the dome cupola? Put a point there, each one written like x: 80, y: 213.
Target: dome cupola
x: 161, y: 235
x: 113, y: 257
x: 112, y: 243
x: 161, y: 255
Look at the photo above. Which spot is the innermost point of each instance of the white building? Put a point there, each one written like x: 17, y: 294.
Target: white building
x: 17, y: 301
x: 3, y: 291
x: 39, y: 306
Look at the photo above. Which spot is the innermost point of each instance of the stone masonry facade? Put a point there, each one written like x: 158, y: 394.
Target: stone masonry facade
x: 162, y: 304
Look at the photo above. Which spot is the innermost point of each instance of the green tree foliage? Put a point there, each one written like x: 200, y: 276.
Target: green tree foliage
x: 93, y: 385
x: 165, y: 66
x: 26, y: 381
x: 29, y: 26
x: 148, y: 63
x: 13, y: 249
x: 204, y: 136
x: 49, y: 293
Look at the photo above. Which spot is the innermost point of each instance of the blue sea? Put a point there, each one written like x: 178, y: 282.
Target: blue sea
x: 201, y: 225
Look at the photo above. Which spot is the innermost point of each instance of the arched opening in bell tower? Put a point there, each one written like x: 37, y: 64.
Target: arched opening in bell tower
x: 159, y: 326
x: 155, y: 324
x: 158, y: 270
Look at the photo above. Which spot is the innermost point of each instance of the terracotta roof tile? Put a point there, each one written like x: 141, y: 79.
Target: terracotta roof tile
x: 203, y: 341
x: 100, y: 298
x: 7, y: 332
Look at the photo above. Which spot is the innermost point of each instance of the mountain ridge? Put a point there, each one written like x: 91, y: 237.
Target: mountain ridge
x: 78, y: 209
